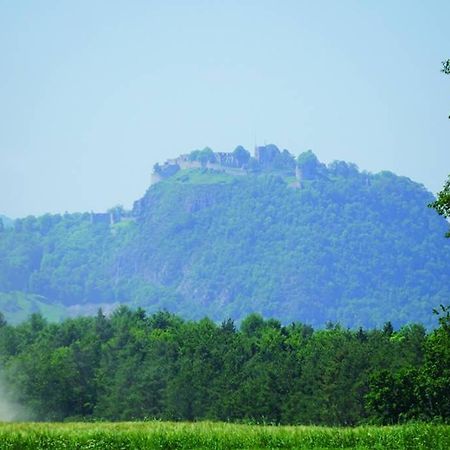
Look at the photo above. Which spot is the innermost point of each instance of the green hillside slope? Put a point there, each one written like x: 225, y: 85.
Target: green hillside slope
x: 18, y: 306
x: 341, y: 245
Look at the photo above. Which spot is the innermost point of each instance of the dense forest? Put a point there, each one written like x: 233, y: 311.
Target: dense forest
x: 131, y: 365
x: 343, y: 246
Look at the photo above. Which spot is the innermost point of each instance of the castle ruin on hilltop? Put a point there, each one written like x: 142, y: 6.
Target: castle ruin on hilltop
x: 267, y: 158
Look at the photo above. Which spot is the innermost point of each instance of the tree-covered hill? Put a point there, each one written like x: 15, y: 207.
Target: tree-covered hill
x: 338, y: 245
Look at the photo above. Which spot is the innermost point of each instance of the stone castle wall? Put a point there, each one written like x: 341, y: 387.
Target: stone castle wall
x: 265, y: 157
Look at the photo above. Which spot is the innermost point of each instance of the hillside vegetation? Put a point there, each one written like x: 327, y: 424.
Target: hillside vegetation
x: 340, y: 245
x: 5, y: 222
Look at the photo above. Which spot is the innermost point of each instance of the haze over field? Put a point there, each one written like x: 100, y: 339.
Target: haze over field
x: 9, y: 411
x: 93, y: 94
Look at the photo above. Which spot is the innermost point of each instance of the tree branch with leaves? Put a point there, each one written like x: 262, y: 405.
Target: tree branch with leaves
x: 442, y: 203
x: 446, y: 67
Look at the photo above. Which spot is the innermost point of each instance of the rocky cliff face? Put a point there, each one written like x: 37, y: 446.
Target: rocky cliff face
x: 341, y: 248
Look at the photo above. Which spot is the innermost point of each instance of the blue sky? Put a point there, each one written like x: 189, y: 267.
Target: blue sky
x: 93, y: 93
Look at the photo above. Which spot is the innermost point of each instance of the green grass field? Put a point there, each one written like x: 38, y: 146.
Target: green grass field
x: 200, y: 176
x: 209, y: 435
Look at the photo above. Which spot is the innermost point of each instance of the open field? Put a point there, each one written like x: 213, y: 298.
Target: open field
x: 209, y: 435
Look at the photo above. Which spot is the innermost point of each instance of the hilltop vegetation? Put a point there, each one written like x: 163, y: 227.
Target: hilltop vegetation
x: 292, y: 239
x: 5, y: 222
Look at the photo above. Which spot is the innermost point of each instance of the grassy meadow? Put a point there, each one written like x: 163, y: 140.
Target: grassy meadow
x: 211, y: 435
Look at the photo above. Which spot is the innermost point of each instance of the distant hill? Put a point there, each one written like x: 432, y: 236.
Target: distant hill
x: 225, y: 234
x: 7, y: 222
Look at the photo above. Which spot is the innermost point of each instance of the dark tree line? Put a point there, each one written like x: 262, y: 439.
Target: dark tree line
x: 133, y: 366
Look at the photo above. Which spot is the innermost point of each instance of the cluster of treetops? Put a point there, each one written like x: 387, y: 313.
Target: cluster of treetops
x: 131, y: 366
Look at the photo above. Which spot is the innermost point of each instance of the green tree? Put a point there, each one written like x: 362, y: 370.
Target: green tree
x: 308, y: 163
x: 204, y: 156
x: 242, y: 155
x: 436, y: 370
x: 446, y: 67
x: 442, y: 203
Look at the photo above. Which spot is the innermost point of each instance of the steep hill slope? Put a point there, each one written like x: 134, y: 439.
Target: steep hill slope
x: 339, y: 245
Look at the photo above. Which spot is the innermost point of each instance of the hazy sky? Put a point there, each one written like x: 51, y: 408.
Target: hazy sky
x: 93, y: 93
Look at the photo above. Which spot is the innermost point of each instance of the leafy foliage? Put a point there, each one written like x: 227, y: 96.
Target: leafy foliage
x: 5, y: 222
x: 420, y: 393
x: 446, y: 67
x: 442, y: 203
x: 131, y: 365
x: 204, y: 156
